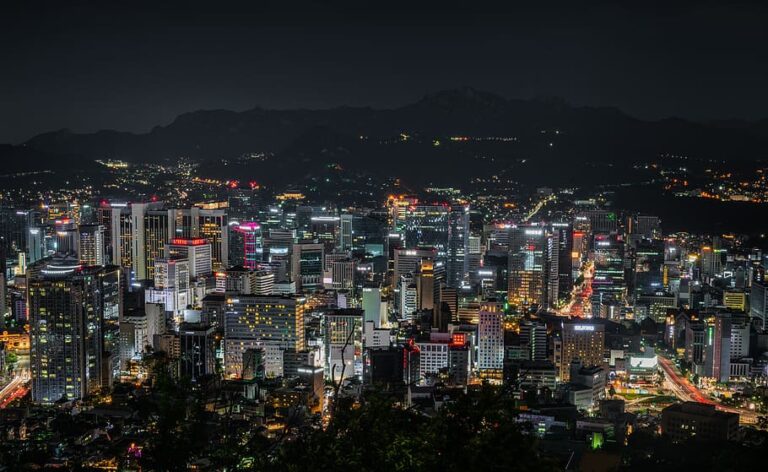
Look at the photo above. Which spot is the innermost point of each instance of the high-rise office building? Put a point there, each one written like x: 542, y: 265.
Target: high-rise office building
x: 601, y: 221
x: 346, y: 232
x: 195, y: 250
x: 209, y: 222
x: 14, y: 226
x: 91, y: 245
x: 490, y: 340
x: 343, y: 341
x: 527, y: 266
x: 243, y: 201
x: 717, y: 350
x: 560, y: 260
x: 408, y: 261
x: 457, y: 253
x: 608, y: 282
x: 307, y: 262
x: 272, y: 323
x: 172, y: 286
x: 648, y: 267
x: 645, y: 226
x: 427, y: 225
x: 197, y: 357
x: 711, y: 260
x: 36, y: 249
x: 758, y: 301
x: 372, y: 306
x: 212, y: 225
x: 533, y: 335
x: 73, y: 310
x: 740, y: 334
x: 245, y: 248
x: 339, y: 273
x: 580, y: 341
x: 151, y: 229
x: 66, y: 235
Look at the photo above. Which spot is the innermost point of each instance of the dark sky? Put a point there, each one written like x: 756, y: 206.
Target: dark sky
x: 130, y: 65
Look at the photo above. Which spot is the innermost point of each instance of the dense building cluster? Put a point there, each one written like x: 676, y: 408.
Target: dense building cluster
x: 268, y: 306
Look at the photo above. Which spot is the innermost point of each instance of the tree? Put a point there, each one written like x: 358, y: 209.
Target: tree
x: 476, y: 432
x: 762, y: 422
x: 10, y: 360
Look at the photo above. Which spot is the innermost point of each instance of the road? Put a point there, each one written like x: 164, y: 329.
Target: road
x: 682, y: 388
x: 15, y: 389
x: 579, y: 304
x: 686, y: 391
x: 539, y: 205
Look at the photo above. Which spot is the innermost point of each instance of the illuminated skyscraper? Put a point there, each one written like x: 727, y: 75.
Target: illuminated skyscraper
x: 457, y: 257
x: 717, y: 349
x: 14, y: 225
x: 91, y: 246
x: 272, y: 323
x: 490, y: 340
x: 608, y: 283
x: 73, y: 312
x: 36, y: 244
x: 196, y: 250
x: 527, y: 266
x: 580, y: 341
x: 307, y: 263
x: 250, y: 235
x: 648, y: 267
x: 172, y: 286
x: 711, y: 260
x: 407, y: 261
x: 427, y: 225
x: 346, y: 232
x: 65, y: 233
x: 152, y: 228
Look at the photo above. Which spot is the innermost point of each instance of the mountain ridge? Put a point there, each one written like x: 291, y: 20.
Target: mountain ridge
x: 547, y: 130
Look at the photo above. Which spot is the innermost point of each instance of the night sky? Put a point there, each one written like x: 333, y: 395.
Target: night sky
x: 130, y: 65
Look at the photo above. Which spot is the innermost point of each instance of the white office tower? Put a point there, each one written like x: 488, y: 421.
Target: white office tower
x: 91, y: 245
x: 408, y: 296
x: 264, y: 282
x: 172, y: 286
x: 434, y: 355
x: 196, y: 250
x: 490, y: 340
x: 374, y: 337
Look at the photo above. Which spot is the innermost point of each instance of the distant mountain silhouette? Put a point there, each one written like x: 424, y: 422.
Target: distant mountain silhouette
x: 548, y: 131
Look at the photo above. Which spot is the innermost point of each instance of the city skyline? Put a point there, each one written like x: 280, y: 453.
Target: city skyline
x: 455, y: 237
